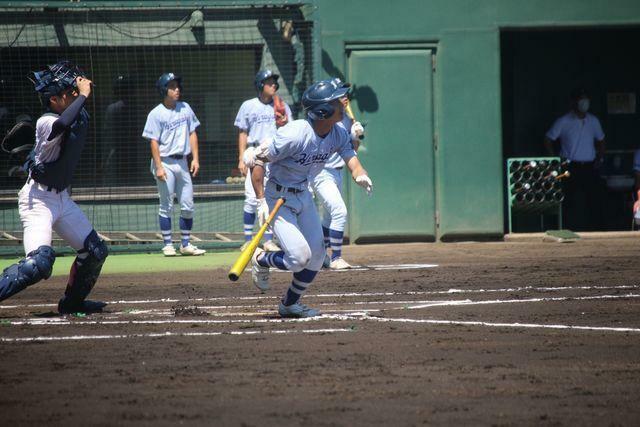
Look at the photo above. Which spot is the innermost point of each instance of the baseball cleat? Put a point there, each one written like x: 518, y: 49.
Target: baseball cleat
x: 296, y: 311
x: 259, y: 274
x: 245, y: 245
x: 339, y: 264
x: 169, y: 250
x: 67, y: 307
x: 270, y: 246
x: 191, y: 250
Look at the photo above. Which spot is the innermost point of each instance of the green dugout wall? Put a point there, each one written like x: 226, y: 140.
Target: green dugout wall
x: 434, y: 135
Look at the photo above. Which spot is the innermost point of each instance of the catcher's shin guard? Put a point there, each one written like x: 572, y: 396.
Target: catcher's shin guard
x: 36, y: 266
x: 84, y: 274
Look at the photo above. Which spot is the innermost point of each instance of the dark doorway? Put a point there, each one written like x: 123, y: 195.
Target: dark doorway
x: 539, y: 69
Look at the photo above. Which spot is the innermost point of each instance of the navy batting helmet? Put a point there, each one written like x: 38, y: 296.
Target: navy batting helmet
x: 316, y: 100
x: 264, y: 75
x: 164, y: 80
x: 55, y: 79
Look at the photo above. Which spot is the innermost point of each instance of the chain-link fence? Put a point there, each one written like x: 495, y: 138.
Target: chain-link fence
x: 216, y: 50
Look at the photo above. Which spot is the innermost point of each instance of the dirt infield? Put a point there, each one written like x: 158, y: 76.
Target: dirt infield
x: 494, y: 334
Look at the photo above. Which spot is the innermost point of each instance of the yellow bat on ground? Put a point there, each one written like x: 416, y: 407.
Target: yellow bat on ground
x: 245, y: 256
x: 349, y: 112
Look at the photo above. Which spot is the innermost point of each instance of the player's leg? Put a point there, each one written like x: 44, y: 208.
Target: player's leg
x: 327, y: 185
x: 311, y: 229
x: 166, y: 189
x: 301, y: 257
x: 249, y: 211
x: 37, y: 219
x: 74, y: 227
x: 184, y: 194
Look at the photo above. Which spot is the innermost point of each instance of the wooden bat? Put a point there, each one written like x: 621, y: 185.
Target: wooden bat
x: 349, y: 112
x: 245, y: 256
x: 566, y: 174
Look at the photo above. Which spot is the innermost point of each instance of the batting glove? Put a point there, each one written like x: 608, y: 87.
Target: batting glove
x: 356, y: 130
x: 263, y: 211
x: 249, y: 157
x: 365, y: 182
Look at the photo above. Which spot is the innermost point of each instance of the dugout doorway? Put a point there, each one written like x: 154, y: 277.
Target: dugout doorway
x: 539, y: 67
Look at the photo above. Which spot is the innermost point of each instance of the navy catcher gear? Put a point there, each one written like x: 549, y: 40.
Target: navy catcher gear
x: 164, y: 80
x: 262, y: 76
x: 55, y: 79
x: 36, y: 266
x: 317, y: 99
x: 84, y: 274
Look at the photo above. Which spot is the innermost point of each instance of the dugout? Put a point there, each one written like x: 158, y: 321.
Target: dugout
x: 216, y: 47
x: 540, y: 66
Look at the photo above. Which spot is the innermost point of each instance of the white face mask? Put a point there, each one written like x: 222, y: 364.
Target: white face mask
x: 583, y: 105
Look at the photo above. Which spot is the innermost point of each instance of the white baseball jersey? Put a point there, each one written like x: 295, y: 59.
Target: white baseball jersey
x: 171, y: 128
x: 577, y: 136
x: 296, y: 152
x: 258, y: 120
x: 45, y: 150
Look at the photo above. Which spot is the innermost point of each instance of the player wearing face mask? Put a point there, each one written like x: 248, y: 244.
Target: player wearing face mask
x: 582, y: 144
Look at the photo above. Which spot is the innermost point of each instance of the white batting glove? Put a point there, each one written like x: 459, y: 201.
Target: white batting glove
x: 263, y: 211
x: 249, y: 157
x: 365, y: 182
x: 356, y: 130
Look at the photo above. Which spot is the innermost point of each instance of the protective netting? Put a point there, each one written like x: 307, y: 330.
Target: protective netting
x: 216, y: 50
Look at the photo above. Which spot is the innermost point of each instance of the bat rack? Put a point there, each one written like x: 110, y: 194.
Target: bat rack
x: 534, y: 187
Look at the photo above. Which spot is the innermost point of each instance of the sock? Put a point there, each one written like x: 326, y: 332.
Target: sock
x: 299, y: 284
x: 325, y: 233
x: 249, y: 219
x: 336, y: 237
x: 272, y: 259
x: 186, y: 224
x: 268, y: 236
x: 165, y: 229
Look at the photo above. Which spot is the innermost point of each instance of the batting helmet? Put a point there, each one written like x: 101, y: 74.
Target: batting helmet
x: 55, y: 79
x: 316, y: 100
x: 264, y: 75
x: 164, y: 80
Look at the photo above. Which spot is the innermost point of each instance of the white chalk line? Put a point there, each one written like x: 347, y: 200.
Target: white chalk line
x: 65, y: 321
x: 191, y: 301
x: 375, y: 267
x: 502, y: 325
x: 404, y: 305
x: 171, y: 334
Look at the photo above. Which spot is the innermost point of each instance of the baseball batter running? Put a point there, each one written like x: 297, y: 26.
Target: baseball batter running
x: 171, y: 130
x: 257, y: 120
x: 327, y: 185
x: 44, y: 203
x: 299, y: 150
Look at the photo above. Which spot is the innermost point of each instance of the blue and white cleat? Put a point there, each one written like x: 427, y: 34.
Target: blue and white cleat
x: 259, y: 274
x: 297, y: 311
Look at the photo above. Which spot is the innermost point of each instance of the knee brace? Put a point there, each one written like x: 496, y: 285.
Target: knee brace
x: 85, y: 270
x: 36, y: 266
